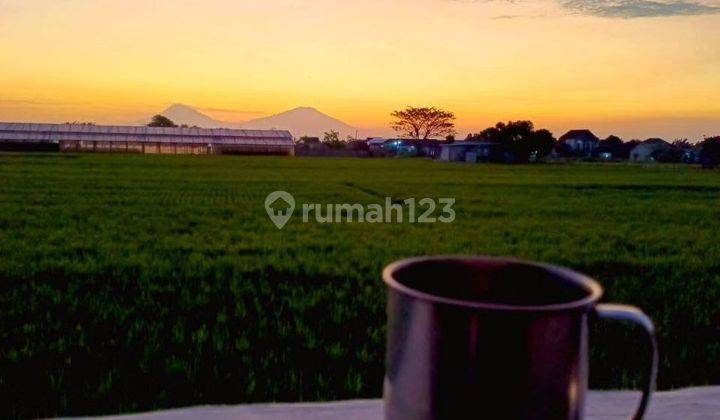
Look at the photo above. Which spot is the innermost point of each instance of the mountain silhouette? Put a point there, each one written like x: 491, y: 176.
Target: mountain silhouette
x: 184, y: 114
x: 302, y: 121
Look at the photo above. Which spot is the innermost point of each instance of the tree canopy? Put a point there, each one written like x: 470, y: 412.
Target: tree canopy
x: 423, y: 123
x: 307, y: 140
x: 612, y: 142
x: 710, y: 154
x: 161, y: 121
x: 332, y: 140
x: 520, y: 138
x: 682, y: 144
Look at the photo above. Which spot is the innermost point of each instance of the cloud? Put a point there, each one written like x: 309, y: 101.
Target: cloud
x: 628, y: 9
x: 622, y: 9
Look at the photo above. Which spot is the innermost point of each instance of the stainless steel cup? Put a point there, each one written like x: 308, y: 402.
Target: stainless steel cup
x: 481, y: 337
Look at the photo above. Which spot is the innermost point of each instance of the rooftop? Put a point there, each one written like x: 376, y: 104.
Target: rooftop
x: 141, y: 130
x: 583, y: 134
x: 49, y: 133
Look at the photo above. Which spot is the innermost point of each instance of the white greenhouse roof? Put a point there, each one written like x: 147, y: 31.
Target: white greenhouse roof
x: 56, y: 132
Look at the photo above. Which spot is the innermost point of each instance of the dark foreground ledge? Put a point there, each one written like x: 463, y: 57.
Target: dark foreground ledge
x: 685, y: 404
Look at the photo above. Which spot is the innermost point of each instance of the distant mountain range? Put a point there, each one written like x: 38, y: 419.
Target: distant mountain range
x: 303, y: 121
x: 183, y: 114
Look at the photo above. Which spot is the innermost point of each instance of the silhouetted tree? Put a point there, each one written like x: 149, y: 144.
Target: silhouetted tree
x: 686, y: 151
x: 675, y: 153
x: 562, y: 149
x: 161, y: 121
x: 332, y: 140
x: 535, y: 145
x: 612, y: 142
x: 710, y: 153
x: 626, y: 148
x: 306, y: 140
x: 612, y: 145
x: 682, y: 144
x: 518, y: 130
x: 519, y: 138
x: 423, y: 123
x: 668, y: 155
x: 491, y: 134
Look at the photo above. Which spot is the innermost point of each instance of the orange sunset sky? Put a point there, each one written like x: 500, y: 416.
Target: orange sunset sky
x: 630, y: 67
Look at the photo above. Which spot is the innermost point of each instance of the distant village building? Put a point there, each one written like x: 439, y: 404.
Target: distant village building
x: 580, y: 142
x: 151, y: 140
x: 473, y: 152
x: 375, y: 144
x: 650, y: 150
x: 462, y: 151
x: 412, y: 148
x: 358, y: 145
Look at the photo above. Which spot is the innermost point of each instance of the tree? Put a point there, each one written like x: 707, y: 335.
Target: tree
x: 627, y: 148
x: 332, y: 140
x: 508, y: 133
x: 682, y: 144
x: 563, y: 150
x: 536, y: 145
x: 518, y: 130
x: 687, y: 152
x: 710, y: 154
x: 161, y: 121
x: 519, y: 138
x: 423, y: 123
x: 613, y: 145
x: 668, y: 155
x: 491, y: 134
x: 612, y: 142
x: 307, y: 140
x: 673, y: 154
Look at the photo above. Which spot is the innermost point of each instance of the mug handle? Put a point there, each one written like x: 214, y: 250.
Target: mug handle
x: 636, y: 316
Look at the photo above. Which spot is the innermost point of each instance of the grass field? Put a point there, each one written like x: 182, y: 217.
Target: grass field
x: 139, y: 282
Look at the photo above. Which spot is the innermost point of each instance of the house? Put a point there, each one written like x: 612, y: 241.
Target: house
x: 357, y: 145
x: 474, y: 152
x: 412, y: 148
x: 461, y: 151
x: 579, y: 142
x: 427, y: 148
x: 375, y: 143
x: 651, y: 150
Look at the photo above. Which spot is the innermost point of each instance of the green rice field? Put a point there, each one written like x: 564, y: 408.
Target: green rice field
x: 137, y: 282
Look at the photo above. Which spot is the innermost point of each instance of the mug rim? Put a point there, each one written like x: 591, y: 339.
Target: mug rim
x: 593, y: 288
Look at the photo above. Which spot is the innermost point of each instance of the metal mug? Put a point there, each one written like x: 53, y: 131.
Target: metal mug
x: 483, y: 337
